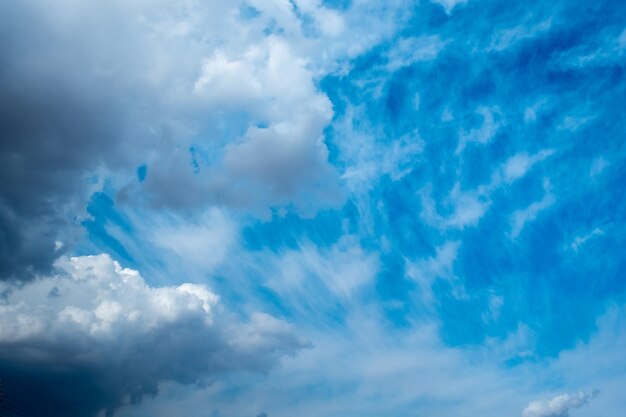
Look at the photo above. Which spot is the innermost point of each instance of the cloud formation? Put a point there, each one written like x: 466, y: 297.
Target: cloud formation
x: 217, y: 101
x: 371, y: 172
x: 558, y: 406
x: 95, y: 336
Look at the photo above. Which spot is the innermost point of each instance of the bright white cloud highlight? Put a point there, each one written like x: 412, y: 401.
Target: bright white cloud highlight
x: 558, y: 406
x: 518, y: 165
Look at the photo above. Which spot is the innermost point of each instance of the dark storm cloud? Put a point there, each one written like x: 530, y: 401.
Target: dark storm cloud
x: 106, y: 339
x: 59, y: 122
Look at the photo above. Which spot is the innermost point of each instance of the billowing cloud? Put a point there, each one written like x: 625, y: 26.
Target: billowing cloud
x: 219, y: 101
x: 558, y: 406
x: 95, y: 336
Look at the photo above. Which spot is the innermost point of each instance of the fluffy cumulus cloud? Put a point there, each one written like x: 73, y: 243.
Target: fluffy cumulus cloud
x: 558, y: 406
x: 95, y: 336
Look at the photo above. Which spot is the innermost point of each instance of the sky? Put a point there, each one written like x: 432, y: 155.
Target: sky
x: 325, y: 208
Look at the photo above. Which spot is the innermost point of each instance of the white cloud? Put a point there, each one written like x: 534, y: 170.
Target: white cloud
x: 369, y: 155
x: 574, y: 123
x: 100, y: 322
x: 495, y: 307
x: 506, y: 38
x: 372, y: 160
x: 161, y: 77
x: 598, y: 165
x: 465, y: 208
x: 520, y: 218
x: 483, y: 134
x: 519, y: 164
x: 203, y: 243
x: 557, y: 406
x: 369, y: 369
x: 609, y: 51
x: 449, y: 5
x: 97, y: 298
x: 424, y: 272
x: 312, y: 279
x: 530, y: 113
x: 581, y: 240
x: 281, y: 157
x: 407, y: 51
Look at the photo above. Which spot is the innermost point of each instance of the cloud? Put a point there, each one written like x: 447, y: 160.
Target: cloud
x: 483, y: 134
x: 312, y: 279
x: 61, y: 123
x: 521, y: 217
x: 145, y: 82
x: 90, y: 91
x: 504, y: 39
x: 466, y: 208
x: 449, y: 5
x: 518, y: 165
x: 581, y: 240
x: 598, y: 165
x: 95, y: 336
x: 440, y: 266
x: 407, y: 51
x: 204, y: 243
x: 378, y: 370
x: 368, y: 156
x: 558, y: 406
x: 69, y: 111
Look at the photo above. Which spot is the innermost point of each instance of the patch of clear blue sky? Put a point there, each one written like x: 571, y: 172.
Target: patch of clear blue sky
x: 507, y: 57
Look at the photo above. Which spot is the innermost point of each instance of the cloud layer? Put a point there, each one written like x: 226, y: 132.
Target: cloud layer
x: 429, y: 192
x: 95, y: 336
x: 216, y: 101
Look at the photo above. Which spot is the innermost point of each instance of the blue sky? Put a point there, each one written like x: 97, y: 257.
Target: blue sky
x: 323, y: 208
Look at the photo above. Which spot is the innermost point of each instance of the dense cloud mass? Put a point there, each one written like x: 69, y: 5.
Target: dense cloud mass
x: 95, y: 336
x: 218, y: 108
x: 64, y: 118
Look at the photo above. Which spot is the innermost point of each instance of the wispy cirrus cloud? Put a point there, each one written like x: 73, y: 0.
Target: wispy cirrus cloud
x: 557, y: 406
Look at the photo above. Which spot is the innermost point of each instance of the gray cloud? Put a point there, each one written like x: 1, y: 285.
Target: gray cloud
x: 94, y: 336
x: 88, y: 92
x: 60, y: 124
